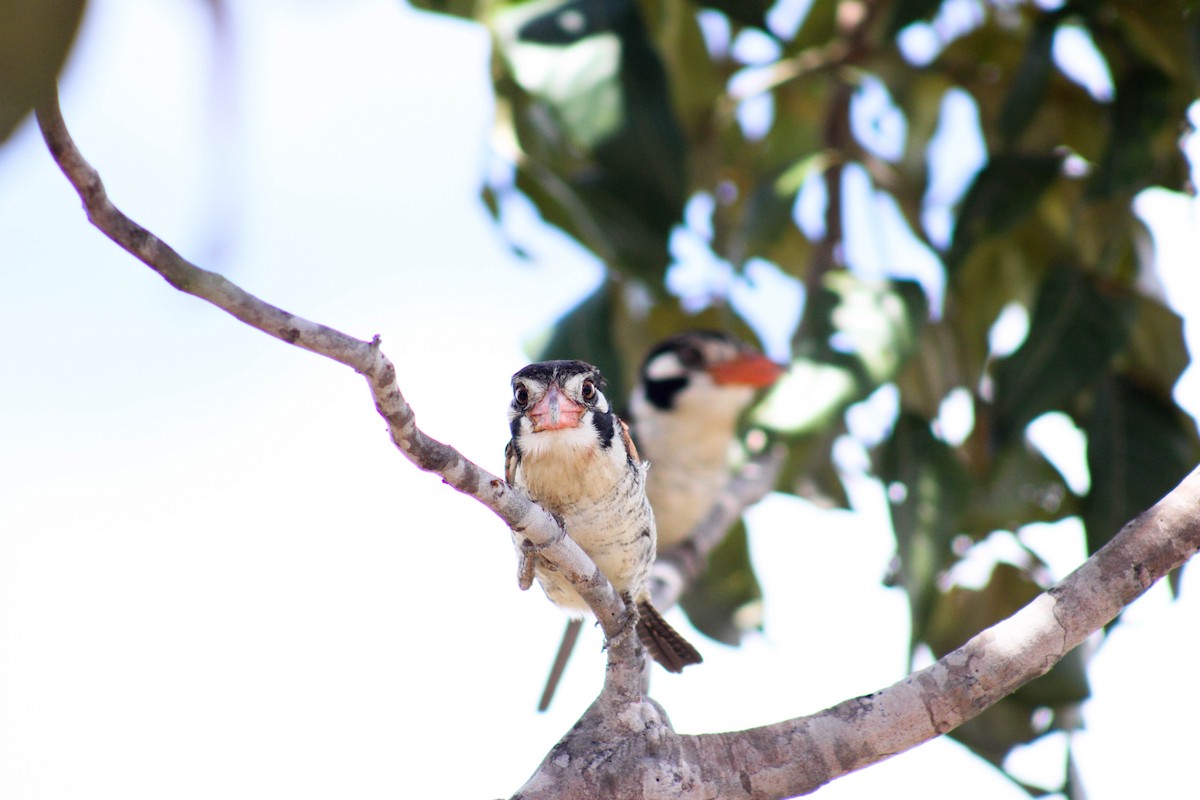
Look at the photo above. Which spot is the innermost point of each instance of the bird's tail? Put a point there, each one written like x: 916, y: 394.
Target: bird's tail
x: 663, y: 642
x: 560, y: 662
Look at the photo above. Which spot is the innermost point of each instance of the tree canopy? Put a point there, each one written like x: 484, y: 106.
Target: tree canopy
x: 629, y: 120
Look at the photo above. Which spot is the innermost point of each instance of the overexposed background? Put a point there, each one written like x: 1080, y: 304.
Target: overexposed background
x: 219, y: 578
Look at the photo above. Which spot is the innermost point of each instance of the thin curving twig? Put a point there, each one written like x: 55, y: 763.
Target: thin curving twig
x: 528, y: 521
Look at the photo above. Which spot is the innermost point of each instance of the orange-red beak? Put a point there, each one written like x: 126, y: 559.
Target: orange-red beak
x: 555, y: 411
x: 750, y: 369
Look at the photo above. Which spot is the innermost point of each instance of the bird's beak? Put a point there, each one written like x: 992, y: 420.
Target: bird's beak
x: 749, y: 369
x: 555, y: 411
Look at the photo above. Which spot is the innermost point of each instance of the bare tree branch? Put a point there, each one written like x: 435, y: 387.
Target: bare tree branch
x: 797, y: 756
x: 528, y: 521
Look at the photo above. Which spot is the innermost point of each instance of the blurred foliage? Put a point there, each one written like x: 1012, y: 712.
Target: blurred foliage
x: 725, y: 599
x: 618, y: 113
x: 34, y: 38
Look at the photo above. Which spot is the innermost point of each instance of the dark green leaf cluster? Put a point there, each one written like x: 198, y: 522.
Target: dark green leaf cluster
x: 34, y: 38
x: 620, y: 111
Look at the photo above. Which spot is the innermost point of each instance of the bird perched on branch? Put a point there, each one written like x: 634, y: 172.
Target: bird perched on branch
x: 574, y: 457
x: 691, y: 390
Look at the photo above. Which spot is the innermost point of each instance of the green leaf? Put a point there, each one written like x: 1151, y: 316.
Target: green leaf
x: 929, y: 490
x: 938, y: 366
x: 1156, y: 353
x: 1075, y: 331
x: 1168, y: 35
x: 1140, y: 445
x: 796, y: 133
x: 919, y: 95
x: 1002, y: 194
x: 792, y: 178
x: 726, y: 600
x: 984, y: 60
x: 1028, y: 85
x: 564, y: 55
x: 905, y: 12
x: 697, y: 83
x: 561, y: 206
x: 35, y: 36
x: 809, y: 471
x: 491, y: 201
x: 1000, y: 271
x: 764, y: 227
x: 1067, y: 116
x: 1020, y: 487
x: 593, y: 110
x: 746, y: 12
x: 1138, y: 114
x: 818, y: 28
x: 1174, y: 578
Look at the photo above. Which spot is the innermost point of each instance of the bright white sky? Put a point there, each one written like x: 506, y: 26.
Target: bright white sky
x: 217, y: 576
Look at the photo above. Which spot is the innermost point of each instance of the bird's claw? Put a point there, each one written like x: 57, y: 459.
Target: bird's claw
x: 629, y: 621
x: 527, y: 560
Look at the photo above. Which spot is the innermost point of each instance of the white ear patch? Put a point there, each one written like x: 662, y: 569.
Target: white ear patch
x: 665, y: 365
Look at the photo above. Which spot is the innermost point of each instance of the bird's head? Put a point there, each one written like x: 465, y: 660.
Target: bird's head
x: 560, y: 396
x: 710, y: 371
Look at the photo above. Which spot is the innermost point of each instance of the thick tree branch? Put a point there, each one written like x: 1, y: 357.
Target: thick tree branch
x: 527, y: 520
x: 797, y: 756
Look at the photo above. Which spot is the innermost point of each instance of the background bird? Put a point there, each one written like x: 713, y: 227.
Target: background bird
x: 691, y: 390
x: 574, y: 457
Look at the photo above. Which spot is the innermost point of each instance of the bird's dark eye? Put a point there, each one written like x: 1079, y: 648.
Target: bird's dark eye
x: 691, y: 357
x: 588, y: 391
x: 521, y: 396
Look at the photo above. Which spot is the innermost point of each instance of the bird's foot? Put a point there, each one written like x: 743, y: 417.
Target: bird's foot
x: 528, y: 558
x: 629, y: 621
